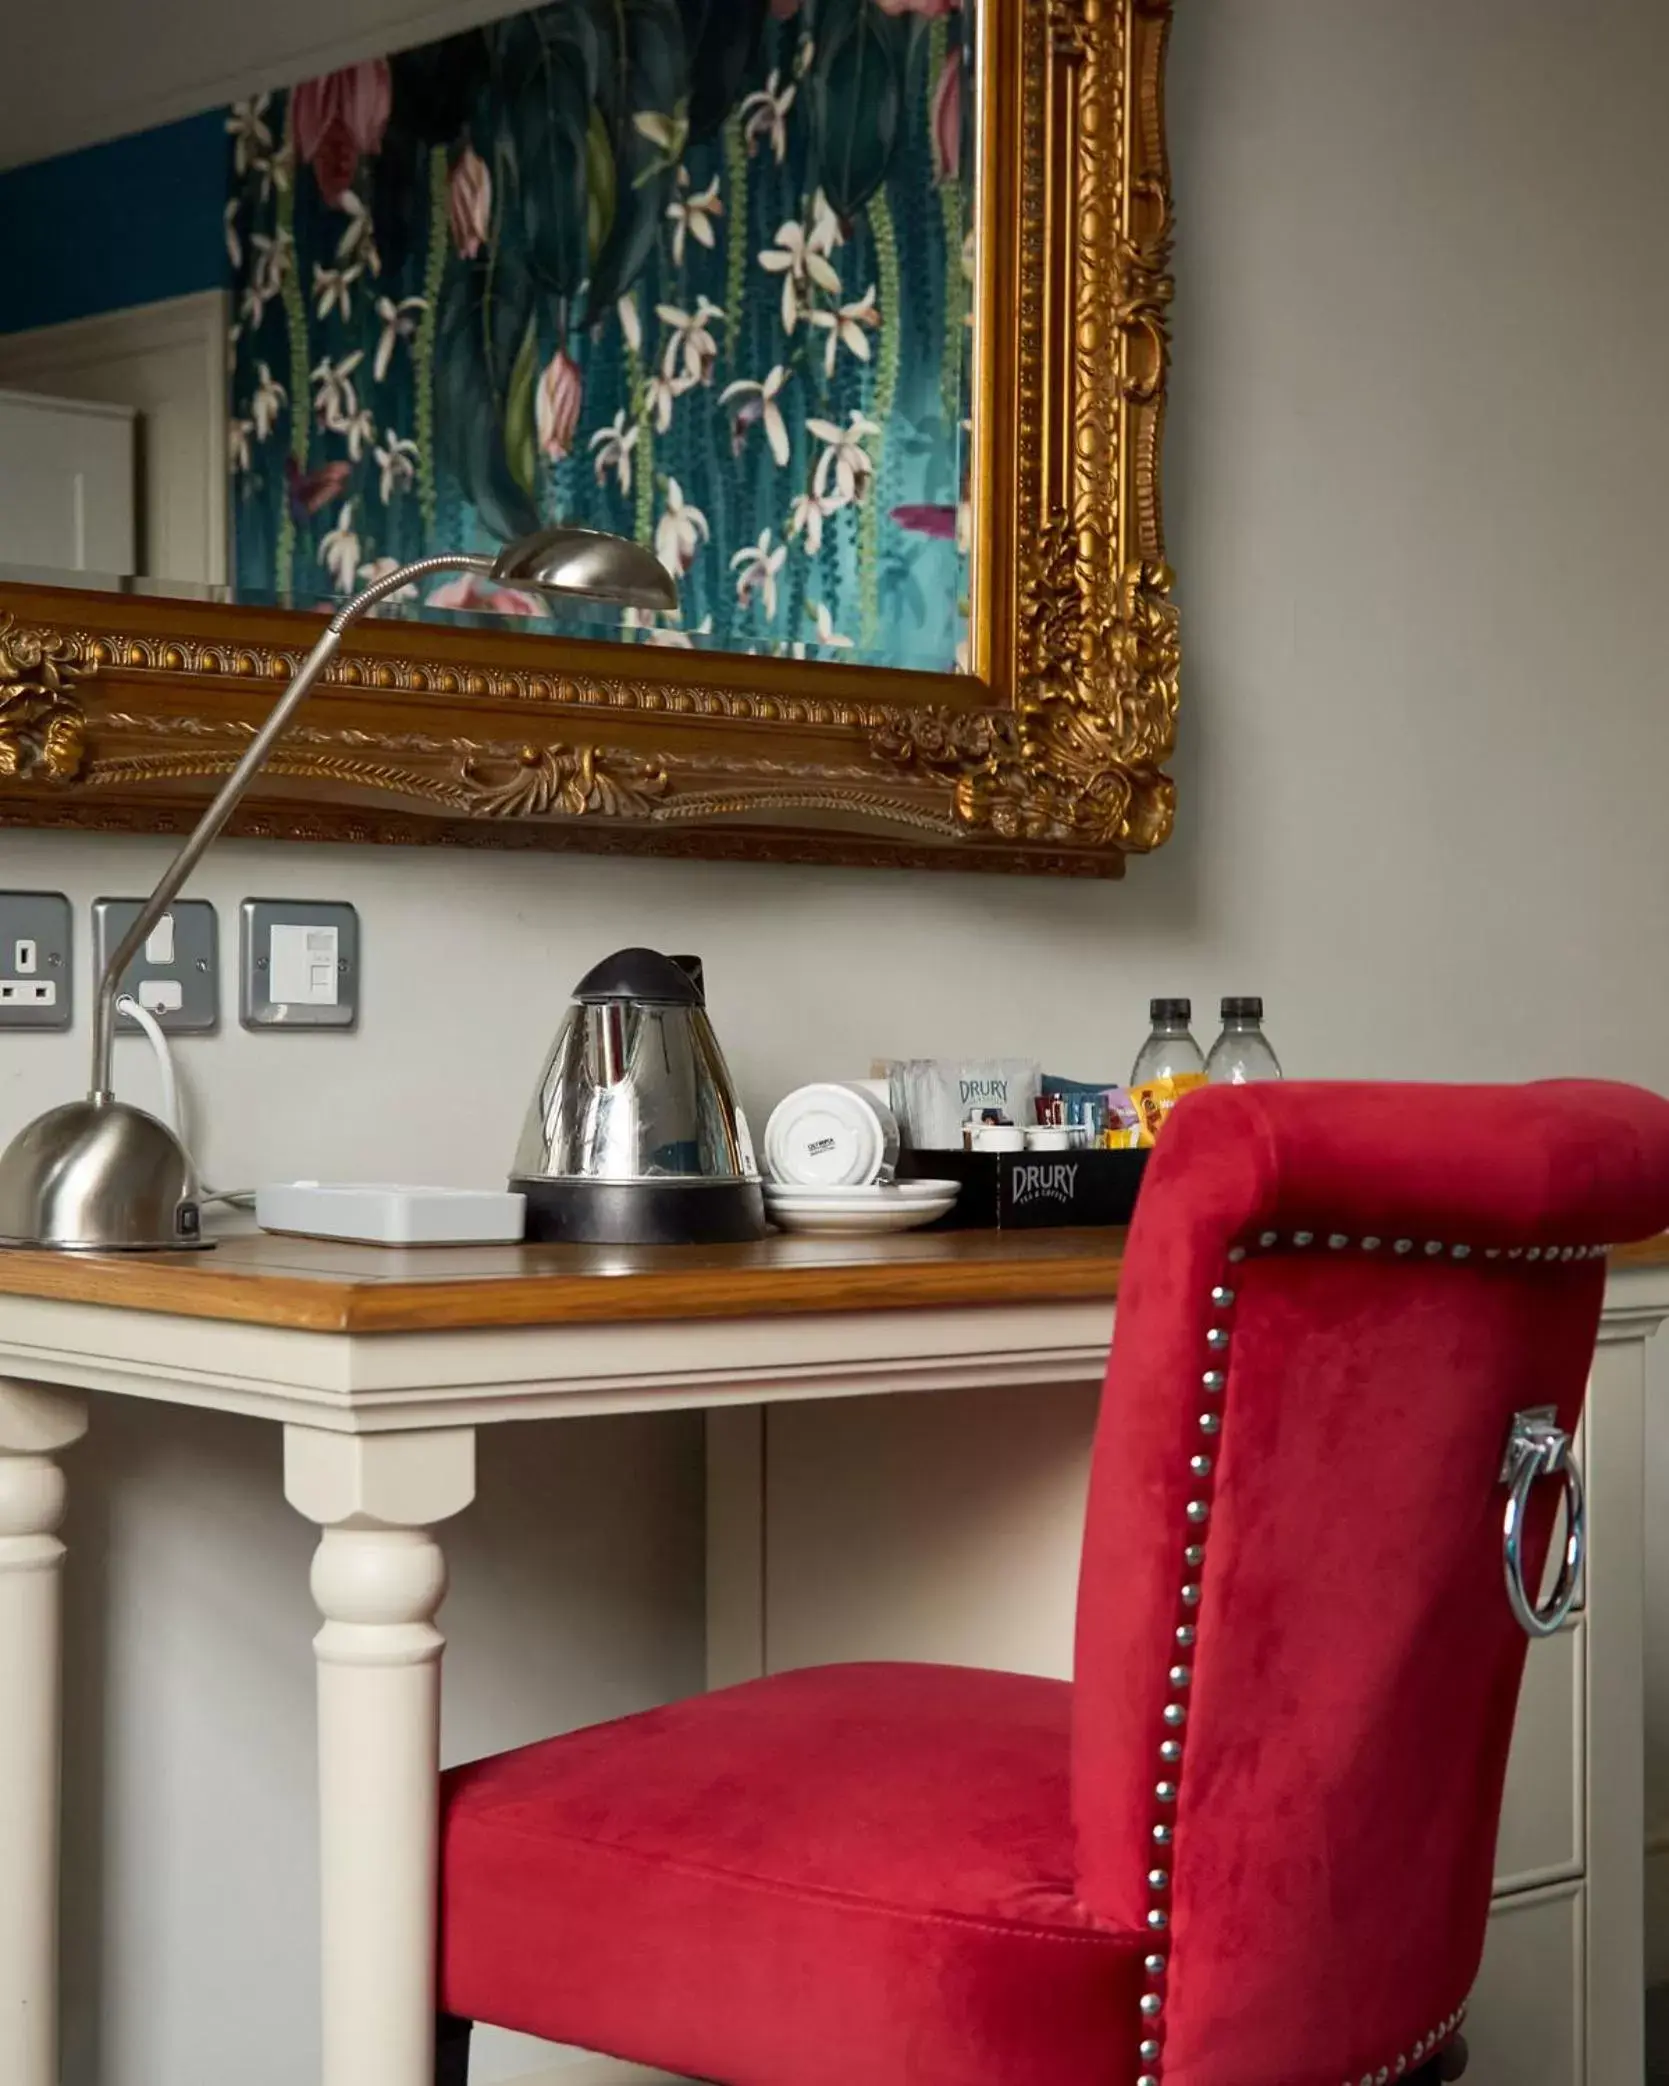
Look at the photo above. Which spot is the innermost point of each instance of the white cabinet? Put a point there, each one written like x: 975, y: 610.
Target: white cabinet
x: 1541, y: 1837
x: 1525, y: 2025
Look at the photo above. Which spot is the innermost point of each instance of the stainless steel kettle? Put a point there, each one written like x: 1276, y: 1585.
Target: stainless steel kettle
x: 635, y: 1135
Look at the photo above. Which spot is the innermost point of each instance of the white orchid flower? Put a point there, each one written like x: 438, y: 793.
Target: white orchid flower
x: 828, y: 637
x: 680, y: 532
x: 234, y: 245
x: 765, y: 115
x: 763, y: 408
x: 238, y: 433
x: 844, y: 458
x: 399, y: 322
x: 339, y: 550
x: 827, y: 634
x: 272, y: 173
x: 333, y: 290
x: 612, y: 448
x: 269, y: 400
x: 806, y: 515
x: 377, y: 569
x: 758, y: 567
x: 824, y: 234
x: 692, y: 217
x: 334, y: 398
x: 272, y: 252
x: 690, y: 338
x: 802, y: 264
x: 631, y: 322
x: 660, y: 394
x: 272, y: 261
x: 247, y: 127
x: 360, y: 429
x: 358, y: 243
x: 396, y: 457
x: 846, y: 328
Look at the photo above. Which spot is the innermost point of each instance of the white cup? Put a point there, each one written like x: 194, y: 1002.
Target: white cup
x: 1048, y: 1137
x: 999, y: 1137
x: 834, y: 1134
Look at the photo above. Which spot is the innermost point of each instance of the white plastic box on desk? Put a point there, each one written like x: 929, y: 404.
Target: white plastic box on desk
x: 377, y: 1214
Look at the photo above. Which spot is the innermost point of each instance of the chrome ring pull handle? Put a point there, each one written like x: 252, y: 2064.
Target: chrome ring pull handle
x: 1538, y: 1447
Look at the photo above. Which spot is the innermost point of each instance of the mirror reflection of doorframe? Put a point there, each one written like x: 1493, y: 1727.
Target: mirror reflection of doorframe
x: 167, y: 361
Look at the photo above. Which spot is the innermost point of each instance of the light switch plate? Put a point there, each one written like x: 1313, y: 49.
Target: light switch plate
x: 298, y: 965
x: 35, y: 932
x: 177, y: 974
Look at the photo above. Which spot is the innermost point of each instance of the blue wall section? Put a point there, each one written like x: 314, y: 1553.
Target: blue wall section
x: 117, y: 224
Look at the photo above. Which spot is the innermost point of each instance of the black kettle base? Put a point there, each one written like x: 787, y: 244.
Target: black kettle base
x: 642, y: 1213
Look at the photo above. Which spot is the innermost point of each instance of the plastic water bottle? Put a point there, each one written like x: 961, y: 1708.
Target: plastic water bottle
x: 1242, y: 1053
x: 1170, y: 1049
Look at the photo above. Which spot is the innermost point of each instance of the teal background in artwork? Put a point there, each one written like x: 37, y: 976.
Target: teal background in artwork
x: 698, y: 274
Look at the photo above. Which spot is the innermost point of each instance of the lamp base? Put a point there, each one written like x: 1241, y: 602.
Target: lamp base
x: 98, y: 1176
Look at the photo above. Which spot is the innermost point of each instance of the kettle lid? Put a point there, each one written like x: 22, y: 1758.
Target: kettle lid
x: 638, y: 974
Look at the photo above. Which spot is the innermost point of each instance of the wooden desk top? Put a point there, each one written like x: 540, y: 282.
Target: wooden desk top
x: 312, y: 1285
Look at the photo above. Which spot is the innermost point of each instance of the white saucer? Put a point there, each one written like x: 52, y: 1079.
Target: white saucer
x: 851, y: 1223
x: 851, y: 1212
x: 873, y: 1194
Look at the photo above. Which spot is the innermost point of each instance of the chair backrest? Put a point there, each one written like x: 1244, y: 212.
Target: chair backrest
x: 1297, y: 1669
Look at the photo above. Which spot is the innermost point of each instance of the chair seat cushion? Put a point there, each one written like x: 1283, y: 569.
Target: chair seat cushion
x: 846, y: 1876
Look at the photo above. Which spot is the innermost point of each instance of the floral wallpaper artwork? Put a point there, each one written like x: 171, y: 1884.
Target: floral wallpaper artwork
x: 699, y: 271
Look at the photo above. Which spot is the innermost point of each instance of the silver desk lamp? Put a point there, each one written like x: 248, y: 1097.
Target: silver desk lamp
x: 99, y: 1176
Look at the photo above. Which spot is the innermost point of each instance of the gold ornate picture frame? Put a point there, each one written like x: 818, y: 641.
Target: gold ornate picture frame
x: 121, y: 713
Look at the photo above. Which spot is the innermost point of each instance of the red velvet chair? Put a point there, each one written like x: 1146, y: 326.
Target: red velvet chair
x: 1251, y: 1843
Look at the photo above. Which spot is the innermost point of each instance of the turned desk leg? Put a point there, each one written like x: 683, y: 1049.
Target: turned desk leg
x: 34, y: 1425
x: 378, y: 1578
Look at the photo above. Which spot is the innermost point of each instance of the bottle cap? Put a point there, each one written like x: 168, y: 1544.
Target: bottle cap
x: 1170, y: 1010
x: 1250, y: 1009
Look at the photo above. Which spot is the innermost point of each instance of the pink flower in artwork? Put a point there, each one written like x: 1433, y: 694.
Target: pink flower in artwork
x: 469, y: 192
x: 927, y: 521
x: 947, y: 119
x: 339, y: 119
x: 556, y: 404
x: 469, y: 590
x: 926, y: 7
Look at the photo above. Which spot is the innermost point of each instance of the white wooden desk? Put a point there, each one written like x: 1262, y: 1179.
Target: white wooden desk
x: 380, y: 1366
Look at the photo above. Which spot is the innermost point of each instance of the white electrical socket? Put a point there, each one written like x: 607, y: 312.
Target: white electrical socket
x: 37, y: 980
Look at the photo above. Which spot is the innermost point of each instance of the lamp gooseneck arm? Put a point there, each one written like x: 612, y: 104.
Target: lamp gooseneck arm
x: 231, y: 791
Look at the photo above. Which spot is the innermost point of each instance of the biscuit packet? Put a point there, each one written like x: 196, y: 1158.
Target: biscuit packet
x: 1155, y: 1099
x: 1121, y: 1124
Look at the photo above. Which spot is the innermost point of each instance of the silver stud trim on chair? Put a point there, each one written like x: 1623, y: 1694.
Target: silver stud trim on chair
x: 1214, y: 1383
